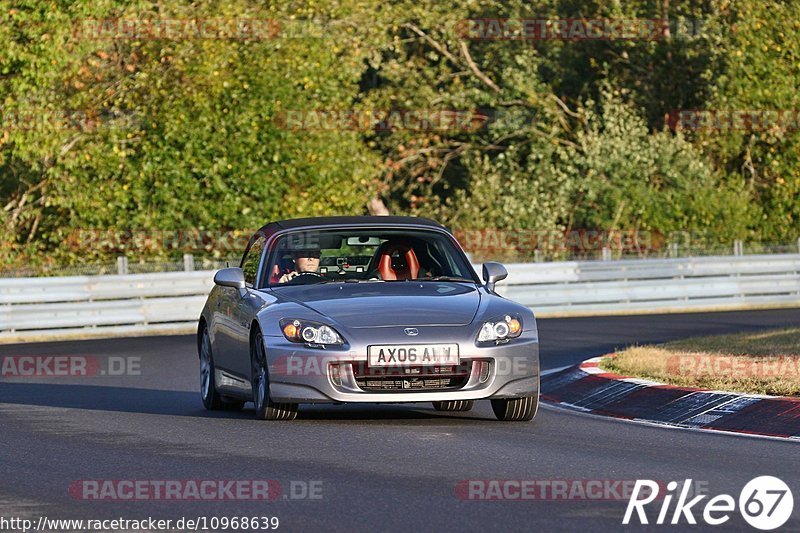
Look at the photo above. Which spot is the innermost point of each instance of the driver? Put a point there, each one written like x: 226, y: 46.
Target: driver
x: 305, y: 262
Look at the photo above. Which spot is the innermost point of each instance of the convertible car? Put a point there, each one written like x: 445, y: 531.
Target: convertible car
x: 368, y: 310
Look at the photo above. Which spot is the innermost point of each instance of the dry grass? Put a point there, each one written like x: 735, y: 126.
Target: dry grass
x: 766, y: 362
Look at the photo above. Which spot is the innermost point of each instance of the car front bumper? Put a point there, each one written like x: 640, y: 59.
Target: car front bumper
x: 299, y: 374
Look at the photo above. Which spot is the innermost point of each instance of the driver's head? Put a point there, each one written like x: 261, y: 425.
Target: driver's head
x: 306, y: 260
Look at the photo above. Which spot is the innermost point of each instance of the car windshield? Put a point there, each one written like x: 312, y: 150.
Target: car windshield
x: 360, y: 255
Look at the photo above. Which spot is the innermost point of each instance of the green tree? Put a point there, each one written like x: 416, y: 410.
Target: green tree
x: 633, y: 179
x: 759, y: 43
x: 183, y: 131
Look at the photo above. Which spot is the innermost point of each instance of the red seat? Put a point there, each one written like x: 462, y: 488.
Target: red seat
x: 403, y: 267
x: 284, y: 266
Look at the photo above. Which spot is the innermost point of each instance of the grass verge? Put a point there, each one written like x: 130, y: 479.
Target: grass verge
x: 764, y: 362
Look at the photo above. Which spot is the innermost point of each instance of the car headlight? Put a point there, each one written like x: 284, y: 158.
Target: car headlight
x: 500, y: 330
x: 309, y: 332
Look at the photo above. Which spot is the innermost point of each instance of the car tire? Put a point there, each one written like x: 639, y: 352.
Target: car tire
x: 266, y: 409
x: 454, y: 405
x: 516, y: 409
x: 212, y: 400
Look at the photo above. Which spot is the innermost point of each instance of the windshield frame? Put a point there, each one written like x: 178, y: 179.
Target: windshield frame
x: 270, y: 249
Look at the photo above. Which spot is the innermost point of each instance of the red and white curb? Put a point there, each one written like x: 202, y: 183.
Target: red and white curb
x: 589, y: 388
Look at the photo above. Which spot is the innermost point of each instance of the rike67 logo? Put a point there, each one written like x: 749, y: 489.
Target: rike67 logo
x: 765, y: 503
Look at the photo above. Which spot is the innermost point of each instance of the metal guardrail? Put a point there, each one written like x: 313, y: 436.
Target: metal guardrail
x: 43, y: 308
x: 662, y: 285
x: 96, y: 305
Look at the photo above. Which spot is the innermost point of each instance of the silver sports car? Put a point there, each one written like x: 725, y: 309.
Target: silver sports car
x: 364, y: 309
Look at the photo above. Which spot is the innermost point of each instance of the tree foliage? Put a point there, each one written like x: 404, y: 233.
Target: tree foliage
x: 179, y: 133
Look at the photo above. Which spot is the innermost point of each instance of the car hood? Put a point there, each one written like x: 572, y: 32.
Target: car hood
x: 399, y: 303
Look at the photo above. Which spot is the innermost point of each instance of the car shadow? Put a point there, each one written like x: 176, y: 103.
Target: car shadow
x: 185, y: 403
x: 104, y: 398
x: 365, y: 412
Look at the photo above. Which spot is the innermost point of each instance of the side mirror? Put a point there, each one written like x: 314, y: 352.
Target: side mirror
x: 230, y: 277
x: 492, y: 273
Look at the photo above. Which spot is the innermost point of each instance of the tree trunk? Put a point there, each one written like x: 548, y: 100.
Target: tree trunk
x: 377, y: 207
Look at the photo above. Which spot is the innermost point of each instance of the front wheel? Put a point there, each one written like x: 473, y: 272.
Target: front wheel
x: 266, y: 409
x: 454, y: 405
x: 516, y: 409
x: 212, y: 400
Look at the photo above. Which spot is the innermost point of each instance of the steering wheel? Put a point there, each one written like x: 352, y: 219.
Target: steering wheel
x: 306, y: 278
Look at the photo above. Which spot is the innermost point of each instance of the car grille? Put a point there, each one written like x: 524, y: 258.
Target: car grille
x: 412, y: 378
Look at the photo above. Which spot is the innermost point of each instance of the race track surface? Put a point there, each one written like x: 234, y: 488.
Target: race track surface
x: 393, y: 468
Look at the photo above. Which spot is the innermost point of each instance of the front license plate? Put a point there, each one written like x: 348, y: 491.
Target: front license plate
x: 412, y: 354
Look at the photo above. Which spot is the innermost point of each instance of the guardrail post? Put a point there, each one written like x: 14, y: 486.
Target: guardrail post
x: 738, y: 248
x: 122, y: 265
x: 606, y: 253
x: 673, y: 249
x: 798, y: 245
x: 188, y: 262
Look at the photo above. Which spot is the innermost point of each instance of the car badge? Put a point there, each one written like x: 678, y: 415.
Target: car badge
x: 411, y: 332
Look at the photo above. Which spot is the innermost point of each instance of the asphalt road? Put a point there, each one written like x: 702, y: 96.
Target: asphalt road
x: 393, y: 468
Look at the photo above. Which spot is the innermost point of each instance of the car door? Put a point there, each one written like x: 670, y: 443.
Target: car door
x: 245, y: 309
x: 232, y: 320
